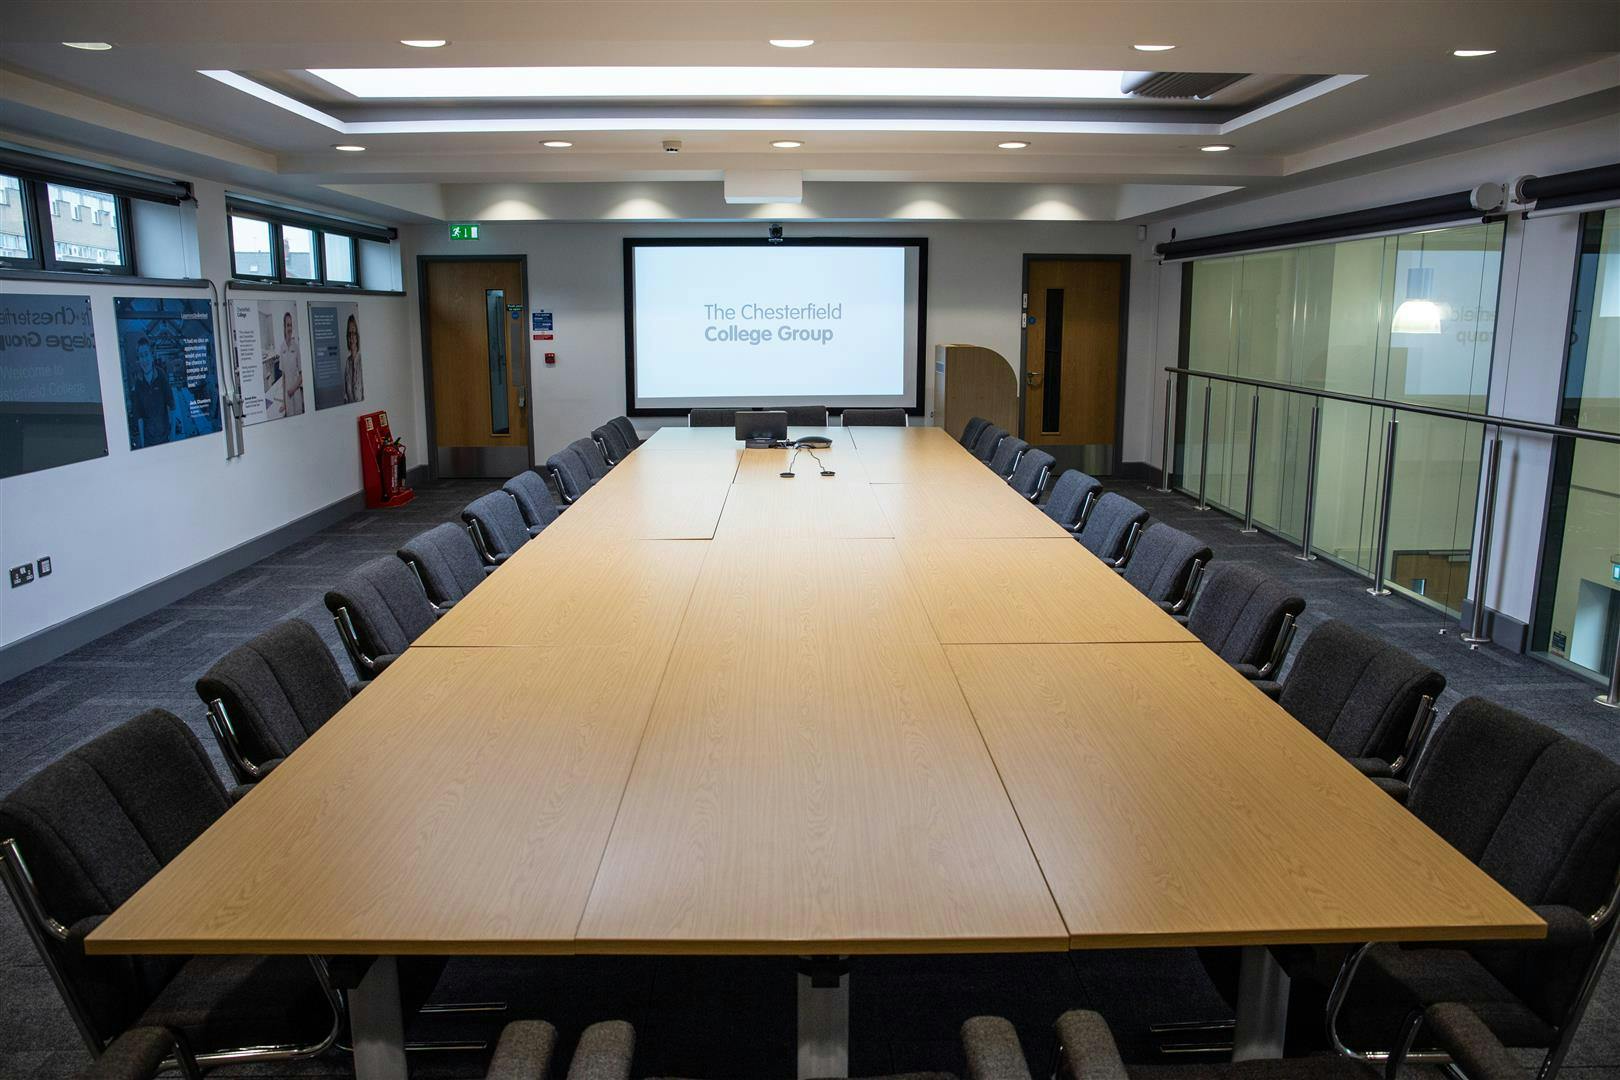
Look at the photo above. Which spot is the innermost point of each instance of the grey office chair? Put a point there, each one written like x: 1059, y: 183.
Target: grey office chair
x: 379, y: 609
x: 591, y: 455
x: 497, y: 526
x: 806, y: 415
x: 627, y: 431
x: 712, y: 418
x: 972, y: 430
x: 1087, y: 1051
x: 269, y: 694
x: 611, y: 441
x: 1005, y: 459
x: 528, y: 488
x: 1029, y: 475
x: 874, y: 418
x: 446, y: 561
x: 1370, y: 701
x: 571, y: 472
x: 1167, y: 566
x: 1112, y: 529
x: 1246, y: 617
x: 1071, y: 499
x: 989, y: 439
x: 1540, y: 813
x: 83, y: 835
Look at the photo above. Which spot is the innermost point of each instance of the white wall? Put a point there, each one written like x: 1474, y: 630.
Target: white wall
x: 1538, y: 264
x: 115, y: 524
x: 576, y: 271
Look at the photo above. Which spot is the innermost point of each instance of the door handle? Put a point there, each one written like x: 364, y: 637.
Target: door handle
x: 1033, y: 378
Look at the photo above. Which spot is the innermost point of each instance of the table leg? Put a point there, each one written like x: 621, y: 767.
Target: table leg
x: 377, y: 1024
x: 1262, y: 1006
x: 823, y: 1017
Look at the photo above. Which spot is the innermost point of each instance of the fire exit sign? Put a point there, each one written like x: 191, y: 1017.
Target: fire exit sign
x: 464, y: 230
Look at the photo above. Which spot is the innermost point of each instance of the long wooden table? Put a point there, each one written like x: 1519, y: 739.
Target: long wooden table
x: 717, y: 710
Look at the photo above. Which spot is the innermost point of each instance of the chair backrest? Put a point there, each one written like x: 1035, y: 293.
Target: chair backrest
x: 989, y: 439
x: 1540, y: 813
x: 533, y: 497
x: 712, y: 418
x: 874, y: 418
x: 1239, y: 612
x: 573, y: 475
x: 626, y: 430
x: 277, y: 690
x: 446, y: 558
x: 591, y: 455
x: 1029, y: 477
x: 1356, y: 692
x: 612, y: 443
x: 804, y: 415
x: 1108, y: 527
x: 92, y: 828
x: 1163, y: 562
x: 498, y: 521
x: 972, y: 430
x: 1005, y: 459
x: 1067, y: 503
x: 386, y: 605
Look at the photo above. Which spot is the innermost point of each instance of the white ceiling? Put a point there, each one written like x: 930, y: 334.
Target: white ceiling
x: 1558, y: 62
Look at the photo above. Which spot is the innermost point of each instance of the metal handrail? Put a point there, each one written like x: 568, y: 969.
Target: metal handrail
x: 1427, y: 410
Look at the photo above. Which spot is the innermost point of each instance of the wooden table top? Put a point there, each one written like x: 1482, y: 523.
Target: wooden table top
x: 712, y: 710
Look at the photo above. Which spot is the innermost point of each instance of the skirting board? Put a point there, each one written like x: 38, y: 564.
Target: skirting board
x: 1503, y: 630
x: 46, y: 645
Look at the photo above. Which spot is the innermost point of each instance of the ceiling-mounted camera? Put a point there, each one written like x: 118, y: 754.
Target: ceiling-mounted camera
x: 672, y: 146
x: 775, y: 235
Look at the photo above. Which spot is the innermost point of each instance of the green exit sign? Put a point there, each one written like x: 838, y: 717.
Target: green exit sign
x: 464, y: 230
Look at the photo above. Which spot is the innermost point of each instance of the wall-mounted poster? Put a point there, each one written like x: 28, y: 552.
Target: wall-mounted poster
x: 269, y: 359
x: 334, y: 336
x: 171, y: 391
x: 50, y: 384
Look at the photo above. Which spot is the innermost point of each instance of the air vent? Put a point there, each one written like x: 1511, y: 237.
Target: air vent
x: 1177, y: 85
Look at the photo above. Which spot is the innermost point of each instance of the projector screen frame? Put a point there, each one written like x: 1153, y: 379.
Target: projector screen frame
x: 920, y: 243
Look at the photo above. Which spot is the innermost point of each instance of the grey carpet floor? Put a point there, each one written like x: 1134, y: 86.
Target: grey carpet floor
x: 718, y: 1017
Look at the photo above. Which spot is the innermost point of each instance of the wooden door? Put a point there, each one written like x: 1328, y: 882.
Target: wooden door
x: 476, y: 350
x: 1073, y: 336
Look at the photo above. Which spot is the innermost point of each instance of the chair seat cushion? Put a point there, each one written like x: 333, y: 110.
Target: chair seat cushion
x: 220, y: 1002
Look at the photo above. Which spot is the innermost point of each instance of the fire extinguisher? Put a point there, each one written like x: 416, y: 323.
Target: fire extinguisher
x: 391, y: 468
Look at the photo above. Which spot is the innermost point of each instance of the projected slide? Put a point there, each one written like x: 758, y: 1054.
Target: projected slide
x: 759, y: 324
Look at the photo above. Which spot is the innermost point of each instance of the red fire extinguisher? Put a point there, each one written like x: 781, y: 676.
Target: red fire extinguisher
x: 382, y: 463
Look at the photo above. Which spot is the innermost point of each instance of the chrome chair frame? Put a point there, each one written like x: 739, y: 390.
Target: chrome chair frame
x: 1131, y: 538
x: 416, y: 570
x: 485, y: 552
x: 1195, y: 578
x: 1279, y: 648
x: 1551, y: 1062
x: 219, y: 722
x: 42, y: 928
x: 363, y: 664
x: 1040, y: 482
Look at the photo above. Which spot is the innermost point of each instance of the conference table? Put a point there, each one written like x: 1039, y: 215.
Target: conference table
x: 717, y: 710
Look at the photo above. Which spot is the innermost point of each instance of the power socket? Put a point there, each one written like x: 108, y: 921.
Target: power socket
x: 22, y: 575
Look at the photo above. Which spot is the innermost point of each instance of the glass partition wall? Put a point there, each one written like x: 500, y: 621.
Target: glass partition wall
x: 1406, y: 318
x: 1578, y: 603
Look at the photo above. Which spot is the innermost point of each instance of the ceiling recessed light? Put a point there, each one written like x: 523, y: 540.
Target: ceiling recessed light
x: 1152, y: 48
x: 1011, y: 145
x: 1469, y: 53
x: 557, y: 144
x: 88, y: 46
x: 1215, y: 148
x: 787, y: 144
x: 424, y: 43
x: 793, y: 42
x: 348, y: 148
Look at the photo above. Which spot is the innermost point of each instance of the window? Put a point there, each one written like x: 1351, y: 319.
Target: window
x: 339, y: 259
x: 251, y: 253
x: 1577, y: 617
x: 1407, y: 318
x: 15, y: 243
x: 293, y: 251
x: 80, y: 240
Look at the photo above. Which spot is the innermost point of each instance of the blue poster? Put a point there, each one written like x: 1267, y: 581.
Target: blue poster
x: 334, y: 347
x: 171, y: 390
x: 50, y: 384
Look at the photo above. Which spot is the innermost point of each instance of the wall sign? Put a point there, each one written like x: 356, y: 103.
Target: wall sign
x: 334, y: 336
x: 269, y: 359
x: 464, y: 230
x: 171, y: 391
x: 50, y: 384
